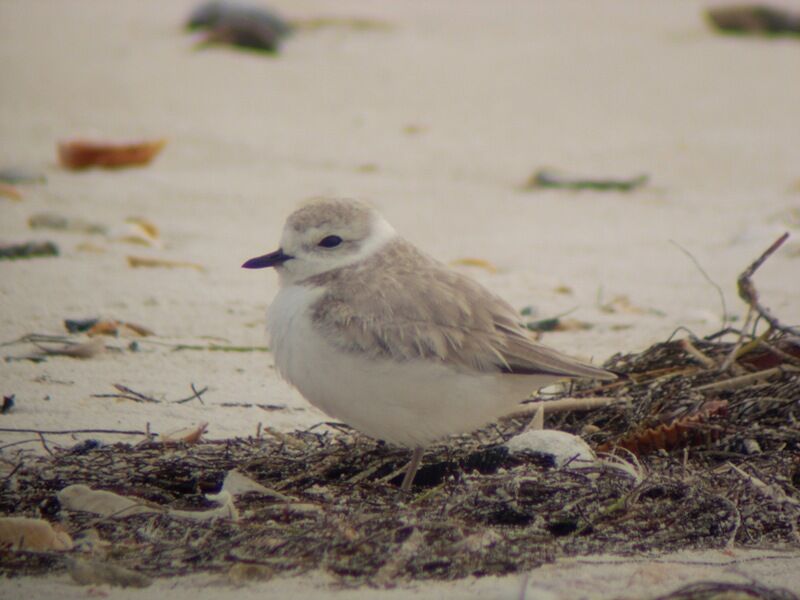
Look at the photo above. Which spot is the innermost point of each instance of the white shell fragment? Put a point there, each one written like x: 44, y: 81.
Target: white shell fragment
x: 108, y: 504
x: 562, y: 446
x: 38, y: 535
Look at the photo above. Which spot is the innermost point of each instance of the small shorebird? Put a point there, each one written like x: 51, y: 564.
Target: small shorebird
x: 391, y: 341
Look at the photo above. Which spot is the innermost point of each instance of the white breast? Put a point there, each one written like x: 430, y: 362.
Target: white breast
x: 410, y: 403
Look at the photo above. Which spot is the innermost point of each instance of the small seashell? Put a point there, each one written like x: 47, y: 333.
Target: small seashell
x: 562, y: 446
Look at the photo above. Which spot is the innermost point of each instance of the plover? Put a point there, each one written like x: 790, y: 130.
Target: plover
x: 391, y: 341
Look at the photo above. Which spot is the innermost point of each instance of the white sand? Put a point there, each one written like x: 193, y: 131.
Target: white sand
x: 493, y: 92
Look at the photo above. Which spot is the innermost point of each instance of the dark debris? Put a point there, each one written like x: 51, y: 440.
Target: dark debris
x: 475, y: 509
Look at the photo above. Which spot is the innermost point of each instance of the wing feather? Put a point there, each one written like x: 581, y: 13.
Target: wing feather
x: 402, y: 305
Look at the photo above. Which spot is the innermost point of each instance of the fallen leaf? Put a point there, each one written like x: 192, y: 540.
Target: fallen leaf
x: 187, y: 435
x: 28, y: 250
x: 38, y: 535
x: 245, y: 26
x: 474, y: 262
x: 82, y: 154
x: 14, y: 175
x: 142, y: 261
x: 148, y: 227
x: 117, y: 328
x: 544, y: 178
x: 9, y: 191
x: 755, y: 19
x: 141, y: 231
x: 62, y: 223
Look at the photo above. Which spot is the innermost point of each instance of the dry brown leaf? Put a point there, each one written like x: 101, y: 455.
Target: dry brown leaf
x: 143, y: 261
x: 474, y: 262
x: 23, y: 533
x: 150, y: 228
x: 118, y: 328
x: 82, y: 154
x: 10, y: 192
x: 142, y: 232
x: 187, y: 435
x: 572, y: 325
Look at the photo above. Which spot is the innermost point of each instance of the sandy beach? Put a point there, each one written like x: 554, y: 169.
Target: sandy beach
x: 438, y: 113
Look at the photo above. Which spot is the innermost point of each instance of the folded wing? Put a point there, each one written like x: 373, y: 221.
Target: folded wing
x: 402, y: 305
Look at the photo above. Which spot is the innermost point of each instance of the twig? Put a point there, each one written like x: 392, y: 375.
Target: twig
x: 737, y: 382
x: 692, y: 350
x: 708, y: 279
x: 561, y: 405
x: 775, y: 350
x: 731, y: 358
x: 748, y: 293
x: 128, y: 394
x: 44, y: 444
x: 32, y: 338
x: 70, y: 431
x: 19, y: 443
x: 771, y: 491
x: 196, y: 394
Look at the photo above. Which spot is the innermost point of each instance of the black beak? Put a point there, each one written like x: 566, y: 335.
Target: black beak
x: 273, y: 259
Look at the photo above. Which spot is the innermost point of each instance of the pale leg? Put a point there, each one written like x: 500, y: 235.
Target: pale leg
x: 411, y: 470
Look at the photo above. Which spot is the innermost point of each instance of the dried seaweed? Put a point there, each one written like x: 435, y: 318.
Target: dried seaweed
x: 730, y: 476
x: 475, y: 509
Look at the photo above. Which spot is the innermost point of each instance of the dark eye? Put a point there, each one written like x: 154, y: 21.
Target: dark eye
x: 330, y: 241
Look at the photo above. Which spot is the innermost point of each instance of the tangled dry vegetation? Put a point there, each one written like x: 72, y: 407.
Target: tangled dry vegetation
x: 701, y: 444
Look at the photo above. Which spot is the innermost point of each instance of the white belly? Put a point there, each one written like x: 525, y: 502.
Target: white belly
x: 407, y: 403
